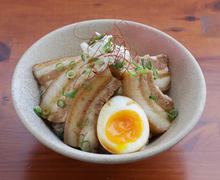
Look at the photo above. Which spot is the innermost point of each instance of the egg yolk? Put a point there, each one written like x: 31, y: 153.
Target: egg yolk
x: 124, y: 127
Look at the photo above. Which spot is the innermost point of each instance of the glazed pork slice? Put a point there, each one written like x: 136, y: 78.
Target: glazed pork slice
x: 82, y: 118
x: 160, y: 63
x: 139, y: 89
x: 46, y: 72
x: 55, y: 92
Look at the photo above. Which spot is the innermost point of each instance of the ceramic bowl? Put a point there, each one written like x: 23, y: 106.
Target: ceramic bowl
x: 188, y: 88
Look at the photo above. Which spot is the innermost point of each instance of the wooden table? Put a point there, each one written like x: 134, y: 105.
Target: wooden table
x: 195, y: 23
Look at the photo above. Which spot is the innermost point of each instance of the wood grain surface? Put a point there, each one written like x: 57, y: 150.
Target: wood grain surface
x: 195, y: 23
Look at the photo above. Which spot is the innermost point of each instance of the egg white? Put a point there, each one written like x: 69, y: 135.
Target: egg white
x: 116, y: 104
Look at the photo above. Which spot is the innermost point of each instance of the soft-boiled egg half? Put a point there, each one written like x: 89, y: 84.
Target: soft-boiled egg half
x: 122, y: 126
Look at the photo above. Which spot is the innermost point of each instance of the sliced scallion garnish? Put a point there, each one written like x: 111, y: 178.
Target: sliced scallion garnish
x: 87, y: 70
x: 92, y: 41
x: 61, y: 103
x: 70, y: 74
x: 99, y: 37
x: 173, y: 114
x: 123, y: 64
x: 63, y: 92
x: 60, y: 66
x: 107, y: 46
x: 132, y: 74
x: 45, y: 112
x: 83, y: 58
x: 37, y: 110
x: 136, y: 66
x: 149, y: 65
x: 71, y: 95
x: 86, y: 85
x: 83, y: 123
x: 155, y: 74
x: 85, y: 146
x: 71, y: 64
x: 143, y: 71
x: 94, y: 59
x: 117, y: 65
x: 153, y: 98
x: 139, y: 68
x: 142, y: 61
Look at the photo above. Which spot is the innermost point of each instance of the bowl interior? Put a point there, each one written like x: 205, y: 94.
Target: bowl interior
x: 187, y: 89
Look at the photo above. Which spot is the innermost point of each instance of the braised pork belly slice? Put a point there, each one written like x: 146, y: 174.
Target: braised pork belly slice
x: 56, y: 91
x: 82, y: 116
x: 46, y: 72
x: 159, y: 63
x: 140, y: 89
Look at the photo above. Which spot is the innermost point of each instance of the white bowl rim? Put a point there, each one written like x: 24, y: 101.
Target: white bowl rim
x: 113, y: 158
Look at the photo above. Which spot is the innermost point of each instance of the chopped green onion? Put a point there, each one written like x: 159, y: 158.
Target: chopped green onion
x: 71, y: 64
x: 70, y: 74
x: 37, y: 110
x: 85, y: 146
x: 153, y: 98
x: 143, y: 71
x: 99, y: 37
x: 92, y: 41
x: 87, y: 70
x: 71, y: 95
x: 60, y: 66
x: 149, y: 65
x: 132, y: 74
x: 107, y: 46
x: 142, y: 61
x: 123, y: 64
x: 45, y: 112
x: 61, y: 103
x: 94, y: 59
x: 118, y: 65
x: 173, y: 114
x: 83, y: 57
x: 137, y: 67
x: 86, y: 85
x: 108, y: 50
x: 83, y: 123
x: 63, y: 92
x: 155, y: 73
